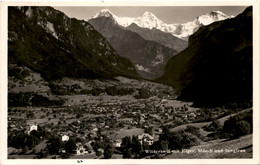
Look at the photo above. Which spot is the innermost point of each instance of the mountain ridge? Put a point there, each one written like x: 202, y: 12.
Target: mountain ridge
x: 45, y: 40
x: 149, y: 57
x: 216, y: 68
x: 149, y: 20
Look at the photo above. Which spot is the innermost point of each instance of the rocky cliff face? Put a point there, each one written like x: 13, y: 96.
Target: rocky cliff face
x: 149, y: 57
x: 48, y: 42
x: 163, y: 38
x: 216, y: 68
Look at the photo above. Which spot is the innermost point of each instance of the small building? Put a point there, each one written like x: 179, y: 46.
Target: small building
x: 101, y: 150
x: 118, y: 143
x: 81, y: 149
x: 192, y: 115
x: 146, y: 138
x: 32, y: 127
x: 65, y: 138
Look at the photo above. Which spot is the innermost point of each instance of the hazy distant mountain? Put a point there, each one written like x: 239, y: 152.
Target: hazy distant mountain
x: 216, y: 68
x: 150, y: 21
x: 159, y: 36
x: 47, y: 41
x: 149, y: 57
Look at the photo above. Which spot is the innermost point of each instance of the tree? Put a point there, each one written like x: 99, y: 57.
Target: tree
x: 126, y: 142
x: 165, y: 134
x: 25, y: 149
x: 127, y: 154
x: 98, y: 153
x: 70, y: 146
x: 213, y: 126
x: 108, y: 152
x: 30, y: 115
x: 143, y: 94
x: 149, y: 130
x: 54, y: 145
x: 242, y: 128
x: 192, y: 129
x: 160, y: 145
x: 136, y: 146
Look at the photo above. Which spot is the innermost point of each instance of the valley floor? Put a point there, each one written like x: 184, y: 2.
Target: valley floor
x: 93, y: 110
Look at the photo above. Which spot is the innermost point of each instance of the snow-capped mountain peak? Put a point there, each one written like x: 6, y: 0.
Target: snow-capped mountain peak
x: 104, y: 13
x: 148, y: 14
x: 217, y: 12
x: 149, y: 20
x: 211, y: 17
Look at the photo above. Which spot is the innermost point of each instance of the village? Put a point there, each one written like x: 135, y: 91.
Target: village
x: 93, y: 121
x: 143, y: 118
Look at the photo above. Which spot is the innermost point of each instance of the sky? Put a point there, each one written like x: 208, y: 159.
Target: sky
x: 168, y: 14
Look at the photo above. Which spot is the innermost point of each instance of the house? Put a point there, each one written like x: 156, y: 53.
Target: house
x: 118, y: 143
x: 32, y: 127
x: 101, y: 150
x: 145, y: 138
x: 65, y: 138
x: 192, y: 115
x: 80, y: 149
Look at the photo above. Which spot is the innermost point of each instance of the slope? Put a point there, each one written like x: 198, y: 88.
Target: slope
x: 48, y: 42
x: 149, y: 57
x: 161, y: 37
x: 216, y: 68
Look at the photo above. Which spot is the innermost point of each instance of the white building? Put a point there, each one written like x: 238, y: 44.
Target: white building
x: 65, y: 138
x: 145, y: 138
x: 118, y: 143
x: 32, y: 127
x: 80, y: 149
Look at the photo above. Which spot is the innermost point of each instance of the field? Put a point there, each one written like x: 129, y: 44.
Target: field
x: 228, y: 149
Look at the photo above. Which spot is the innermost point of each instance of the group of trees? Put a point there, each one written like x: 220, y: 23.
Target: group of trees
x: 22, y: 140
x: 96, y: 91
x: 131, y: 147
x: 234, y: 127
x: 30, y: 99
x: 55, y: 145
x: 18, y: 72
x: 178, y: 139
x: 114, y: 91
x: 103, y: 142
x: 239, y: 125
x: 213, y: 126
x: 143, y: 93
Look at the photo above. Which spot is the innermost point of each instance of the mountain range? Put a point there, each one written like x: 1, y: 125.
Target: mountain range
x: 216, y: 67
x: 146, y: 40
x: 149, y: 20
x: 149, y: 57
x: 48, y: 42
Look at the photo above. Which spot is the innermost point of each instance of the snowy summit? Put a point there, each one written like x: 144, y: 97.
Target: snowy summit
x: 149, y: 20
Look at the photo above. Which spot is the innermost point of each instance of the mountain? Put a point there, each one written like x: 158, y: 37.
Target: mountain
x: 48, y: 42
x: 186, y: 29
x: 216, y: 68
x: 163, y: 38
x: 149, y: 20
x: 149, y: 57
